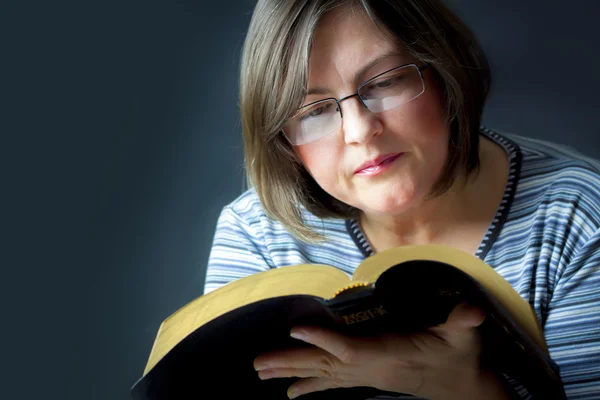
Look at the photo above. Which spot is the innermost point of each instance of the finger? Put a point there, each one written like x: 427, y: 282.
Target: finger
x: 464, y: 316
x: 309, y: 385
x: 340, y: 346
x: 301, y: 373
x: 306, y: 358
x: 459, y: 329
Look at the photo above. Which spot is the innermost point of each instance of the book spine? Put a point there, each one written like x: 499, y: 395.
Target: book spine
x: 359, y: 312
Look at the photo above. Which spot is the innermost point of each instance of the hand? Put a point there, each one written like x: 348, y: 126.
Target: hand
x: 439, y: 363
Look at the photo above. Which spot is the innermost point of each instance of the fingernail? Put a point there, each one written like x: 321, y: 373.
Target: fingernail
x: 266, y: 374
x: 260, y: 366
x: 292, y: 393
x: 300, y: 335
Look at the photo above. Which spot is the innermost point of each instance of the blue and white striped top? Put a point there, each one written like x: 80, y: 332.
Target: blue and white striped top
x: 545, y: 241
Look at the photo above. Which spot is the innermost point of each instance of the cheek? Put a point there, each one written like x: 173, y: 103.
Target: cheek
x: 422, y: 121
x: 320, y: 160
x: 428, y: 111
x: 432, y: 120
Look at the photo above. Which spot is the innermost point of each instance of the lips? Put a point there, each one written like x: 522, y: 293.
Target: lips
x: 379, y: 161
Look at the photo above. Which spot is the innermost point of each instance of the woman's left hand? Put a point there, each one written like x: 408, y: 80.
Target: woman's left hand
x: 442, y: 362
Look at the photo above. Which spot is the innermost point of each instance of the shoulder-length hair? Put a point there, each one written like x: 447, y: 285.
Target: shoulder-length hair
x: 273, y: 81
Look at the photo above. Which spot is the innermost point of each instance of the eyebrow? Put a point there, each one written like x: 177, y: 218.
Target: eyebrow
x: 362, y: 71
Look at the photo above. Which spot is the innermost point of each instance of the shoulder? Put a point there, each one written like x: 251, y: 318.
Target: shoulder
x: 549, y: 158
x: 553, y: 207
x: 559, y: 181
x: 245, y: 216
x: 248, y: 208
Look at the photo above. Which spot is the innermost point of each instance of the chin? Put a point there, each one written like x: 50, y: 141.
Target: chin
x: 388, y: 211
x: 389, y: 205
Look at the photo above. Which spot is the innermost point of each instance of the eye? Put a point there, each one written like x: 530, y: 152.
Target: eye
x: 388, y: 82
x: 315, y: 112
x: 385, y: 86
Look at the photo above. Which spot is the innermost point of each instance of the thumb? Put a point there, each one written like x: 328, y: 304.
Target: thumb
x: 458, y: 330
x: 464, y: 316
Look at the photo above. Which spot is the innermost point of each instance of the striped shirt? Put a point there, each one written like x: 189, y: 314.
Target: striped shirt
x: 544, y: 240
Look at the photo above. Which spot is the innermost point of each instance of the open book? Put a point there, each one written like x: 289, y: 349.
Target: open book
x: 208, y: 346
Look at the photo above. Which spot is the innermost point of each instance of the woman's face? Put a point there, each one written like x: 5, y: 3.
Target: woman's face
x: 414, y: 135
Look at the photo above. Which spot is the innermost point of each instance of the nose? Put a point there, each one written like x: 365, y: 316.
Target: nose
x: 359, y: 125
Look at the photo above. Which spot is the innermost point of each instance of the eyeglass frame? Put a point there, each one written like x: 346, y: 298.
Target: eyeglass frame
x: 356, y: 94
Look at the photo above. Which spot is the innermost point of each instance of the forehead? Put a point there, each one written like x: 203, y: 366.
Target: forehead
x: 345, y: 40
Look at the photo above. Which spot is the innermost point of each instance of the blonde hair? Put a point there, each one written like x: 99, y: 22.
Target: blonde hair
x: 273, y: 80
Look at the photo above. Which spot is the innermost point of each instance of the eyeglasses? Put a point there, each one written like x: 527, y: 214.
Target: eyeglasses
x: 385, y: 91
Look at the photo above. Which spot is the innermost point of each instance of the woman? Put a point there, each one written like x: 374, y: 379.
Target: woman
x: 361, y: 124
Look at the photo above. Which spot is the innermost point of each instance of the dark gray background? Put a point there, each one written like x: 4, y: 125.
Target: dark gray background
x: 121, y: 143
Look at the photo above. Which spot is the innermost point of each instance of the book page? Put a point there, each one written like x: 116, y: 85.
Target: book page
x: 314, y: 280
